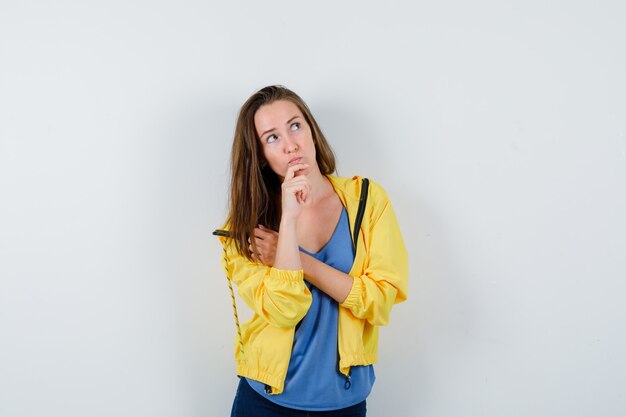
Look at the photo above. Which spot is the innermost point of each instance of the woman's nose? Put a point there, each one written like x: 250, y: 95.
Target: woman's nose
x: 290, y: 145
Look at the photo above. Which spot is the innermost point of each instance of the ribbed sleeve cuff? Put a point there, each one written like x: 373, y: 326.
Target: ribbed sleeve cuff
x: 286, y: 274
x: 354, y: 296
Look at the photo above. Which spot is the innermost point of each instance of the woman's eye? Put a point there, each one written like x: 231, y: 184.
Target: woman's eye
x: 271, y: 138
x: 295, y: 126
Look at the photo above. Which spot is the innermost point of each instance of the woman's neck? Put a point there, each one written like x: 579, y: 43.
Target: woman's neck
x: 320, y: 186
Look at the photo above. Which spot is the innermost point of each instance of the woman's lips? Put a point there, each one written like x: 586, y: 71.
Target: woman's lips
x: 295, y: 160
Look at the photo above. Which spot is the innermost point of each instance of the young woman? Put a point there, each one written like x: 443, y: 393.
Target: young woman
x: 318, y: 289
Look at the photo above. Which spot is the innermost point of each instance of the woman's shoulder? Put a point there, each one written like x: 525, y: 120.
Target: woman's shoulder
x: 352, y: 186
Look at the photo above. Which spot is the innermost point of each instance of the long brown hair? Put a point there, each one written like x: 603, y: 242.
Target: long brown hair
x: 254, y: 187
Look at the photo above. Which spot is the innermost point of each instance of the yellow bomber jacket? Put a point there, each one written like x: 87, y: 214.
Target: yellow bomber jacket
x: 280, y: 299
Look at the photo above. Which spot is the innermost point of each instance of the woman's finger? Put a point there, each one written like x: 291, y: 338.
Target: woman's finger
x: 262, y: 232
x: 267, y: 229
x: 295, y: 186
x: 292, y: 169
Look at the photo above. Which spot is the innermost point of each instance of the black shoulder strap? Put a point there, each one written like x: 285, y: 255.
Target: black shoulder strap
x: 360, y: 212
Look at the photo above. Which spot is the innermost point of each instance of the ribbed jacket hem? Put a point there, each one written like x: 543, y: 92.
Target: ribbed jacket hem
x: 277, y: 382
x: 356, y: 359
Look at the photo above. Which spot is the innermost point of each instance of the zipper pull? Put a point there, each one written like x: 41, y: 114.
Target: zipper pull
x: 348, y: 383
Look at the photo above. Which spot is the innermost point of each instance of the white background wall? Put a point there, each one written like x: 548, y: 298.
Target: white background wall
x: 497, y: 128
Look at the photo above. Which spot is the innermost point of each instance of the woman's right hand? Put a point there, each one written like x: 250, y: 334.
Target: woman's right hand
x: 295, y: 192
x: 266, y: 241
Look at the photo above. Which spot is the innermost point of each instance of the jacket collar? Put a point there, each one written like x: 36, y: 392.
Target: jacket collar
x: 346, y: 188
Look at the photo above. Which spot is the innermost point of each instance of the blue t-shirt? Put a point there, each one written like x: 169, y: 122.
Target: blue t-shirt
x: 313, y: 380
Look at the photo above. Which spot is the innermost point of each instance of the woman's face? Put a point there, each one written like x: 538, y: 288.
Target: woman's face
x: 285, y: 136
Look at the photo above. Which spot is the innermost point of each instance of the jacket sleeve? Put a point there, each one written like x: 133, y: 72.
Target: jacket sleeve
x: 384, y: 281
x: 279, y: 296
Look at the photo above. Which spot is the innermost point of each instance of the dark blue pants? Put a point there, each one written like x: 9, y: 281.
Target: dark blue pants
x: 248, y: 403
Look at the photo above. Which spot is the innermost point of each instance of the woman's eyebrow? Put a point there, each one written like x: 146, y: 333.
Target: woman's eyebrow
x: 267, y: 131
x: 288, y: 121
